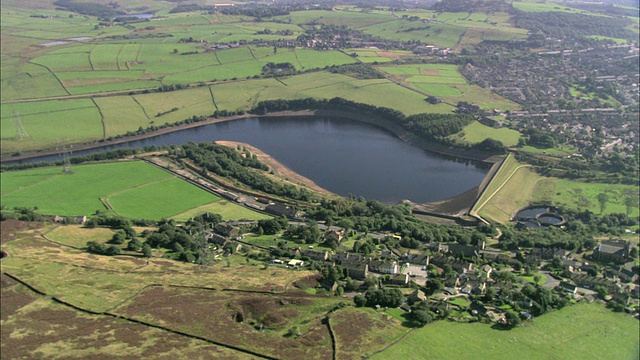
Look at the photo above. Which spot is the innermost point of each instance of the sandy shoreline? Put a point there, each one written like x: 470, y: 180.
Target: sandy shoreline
x: 278, y: 168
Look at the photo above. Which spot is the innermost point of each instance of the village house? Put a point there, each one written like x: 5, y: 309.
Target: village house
x: 316, y: 255
x: 399, y: 279
x: 612, y: 251
x: 415, y: 259
x: 227, y: 230
x: 356, y: 269
x: 383, y: 266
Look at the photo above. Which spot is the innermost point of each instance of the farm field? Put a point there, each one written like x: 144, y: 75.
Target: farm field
x: 476, y: 132
x: 47, y: 124
x: 446, y: 83
x: 594, y: 331
x: 79, y: 193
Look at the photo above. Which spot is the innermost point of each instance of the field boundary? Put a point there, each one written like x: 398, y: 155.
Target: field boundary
x: 104, y: 126
x: 54, y: 75
x: 141, y: 107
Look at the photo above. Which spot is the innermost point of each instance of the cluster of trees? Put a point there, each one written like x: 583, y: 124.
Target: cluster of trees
x: 437, y: 126
x: 306, y: 234
x: 359, y: 214
x: 358, y: 71
x: 188, y: 242
x: 272, y: 226
x: 569, y: 25
x: 192, y: 7
x: 381, y: 297
x: 279, y: 69
x: 227, y: 162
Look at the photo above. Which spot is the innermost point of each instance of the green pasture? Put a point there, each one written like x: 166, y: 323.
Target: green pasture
x: 577, y: 195
x: 323, y: 85
x: 78, y: 236
x: 48, y: 124
x: 522, y: 188
x: 476, y: 132
x: 150, y: 194
x: 65, y: 62
x: 159, y: 199
x: 28, y: 81
x: 105, y: 57
x: 314, y: 59
x: 544, y: 7
x: 576, y: 332
x: 561, y: 150
x: 438, y: 34
x: 445, y: 82
x: 435, y: 79
x: 193, y: 101
x: 122, y: 114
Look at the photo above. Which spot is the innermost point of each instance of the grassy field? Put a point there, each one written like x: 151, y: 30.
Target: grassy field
x: 584, y: 196
x: 47, y: 124
x: 576, y: 332
x: 476, y: 132
x: 79, y: 193
x: 445, y: 82
x: 78, y: 236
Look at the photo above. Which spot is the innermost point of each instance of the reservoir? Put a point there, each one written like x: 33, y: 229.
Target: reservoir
x: 343, y: 156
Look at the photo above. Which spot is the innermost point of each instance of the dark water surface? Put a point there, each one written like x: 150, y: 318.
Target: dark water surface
x: 342, y: 156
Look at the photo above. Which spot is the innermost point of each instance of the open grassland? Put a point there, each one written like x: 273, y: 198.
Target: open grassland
x: 36, y: 326
x: 323, y: 85
x: 79, y: 193
x: 78, y: 236
x: 50, y: 123
x: 578, y: 195
x: 575, y: 332
x: 476, y: 132
x: 439, y: 34
x: 356, y: 20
